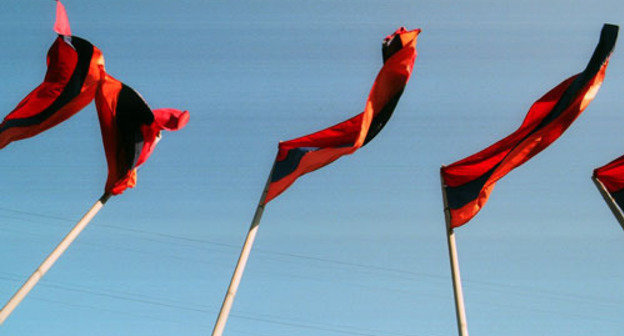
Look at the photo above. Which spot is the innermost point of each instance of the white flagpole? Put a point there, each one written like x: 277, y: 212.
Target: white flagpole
x: 242, y: 261
x: 460, y: 310
x: 51, y: 259
x: 617, y: 212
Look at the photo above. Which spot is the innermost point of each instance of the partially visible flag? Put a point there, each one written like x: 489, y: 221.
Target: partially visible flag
x: 130, y: 130
x: 308, y: 153
x: 74, y: 67
x: 469, y: 182
x: 611, y: 176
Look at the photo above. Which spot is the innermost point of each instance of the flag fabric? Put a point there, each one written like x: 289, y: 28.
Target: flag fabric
x: 469, y: 182
x: 61, y: 25
x: 130, y: 130
x: 308, y: 153
x: 74, y: 67
x: 611, y: 176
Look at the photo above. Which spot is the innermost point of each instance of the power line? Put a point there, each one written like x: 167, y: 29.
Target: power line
x: 143, y: 299
x: 410, y: 274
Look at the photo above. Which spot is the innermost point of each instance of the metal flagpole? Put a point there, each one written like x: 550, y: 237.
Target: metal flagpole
x: 460, y: 310
x: 617, y: 212
x: 242, y: 261
x: 51, y: 259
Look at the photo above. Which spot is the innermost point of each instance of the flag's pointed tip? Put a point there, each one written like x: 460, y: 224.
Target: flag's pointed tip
x: 61, y: 25
x: 403, y: 30
x: 183, y: 119
x: 610, y: 26
x: 171, y: 119
x: 408, y: 35
x: 609, y: 33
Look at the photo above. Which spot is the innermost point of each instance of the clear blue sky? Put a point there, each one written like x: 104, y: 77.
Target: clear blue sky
x: 357, y: 248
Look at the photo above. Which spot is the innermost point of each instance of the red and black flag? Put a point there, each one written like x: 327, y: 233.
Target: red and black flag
x: 74, y: 67
x: 130, y: 130
x: 308, y: 153
x: 469, y: 182
x: 611, y: 178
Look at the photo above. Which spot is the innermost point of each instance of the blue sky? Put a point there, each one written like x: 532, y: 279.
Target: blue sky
x: 356, y: 248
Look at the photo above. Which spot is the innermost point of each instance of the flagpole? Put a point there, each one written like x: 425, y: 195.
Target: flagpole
x: 460, y: 310
x: 242, y: 262
x: 51, y: 259
x: 617, y: 212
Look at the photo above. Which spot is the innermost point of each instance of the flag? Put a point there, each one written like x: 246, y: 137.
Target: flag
x: 74, y: 67
x: 611, y: 176
x: 308, y: 153
x: 130, y: 130
x: 469, y: 182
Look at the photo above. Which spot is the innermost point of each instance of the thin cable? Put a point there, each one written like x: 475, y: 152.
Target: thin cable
x: 557, y: 295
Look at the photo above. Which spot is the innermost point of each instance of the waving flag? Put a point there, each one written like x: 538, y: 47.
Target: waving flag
x: 130, y: 130
x: 612, y: 177
x: 74, y: 67
x: 469, y: 182
x: 308, y: 153
x: 610, y: 181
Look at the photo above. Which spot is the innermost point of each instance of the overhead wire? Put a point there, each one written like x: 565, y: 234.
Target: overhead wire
x: 410, y: 274
x: 143, y: 299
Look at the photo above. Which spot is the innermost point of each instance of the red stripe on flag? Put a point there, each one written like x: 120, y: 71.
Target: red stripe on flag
x: 61, y: 25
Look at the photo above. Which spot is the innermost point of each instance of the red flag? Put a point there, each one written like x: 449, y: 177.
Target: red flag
x: 308, y: 153
x: 469, y: 182
x: 130, y: 130
x: 611, y: 176
x: 69, y: 85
